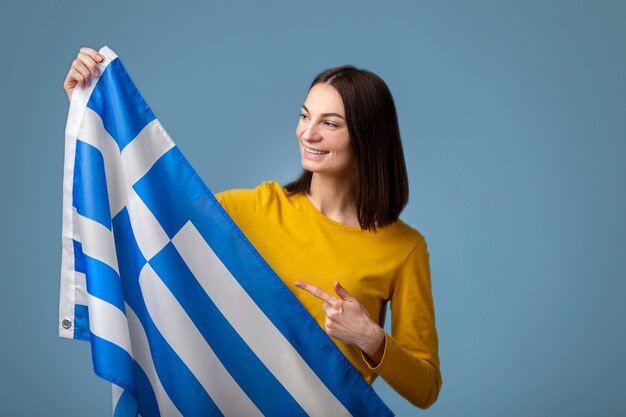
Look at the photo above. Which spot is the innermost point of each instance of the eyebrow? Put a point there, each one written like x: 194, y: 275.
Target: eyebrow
x: 325, y: 114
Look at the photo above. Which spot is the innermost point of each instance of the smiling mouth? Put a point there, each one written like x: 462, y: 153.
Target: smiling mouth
x: 315, y: 151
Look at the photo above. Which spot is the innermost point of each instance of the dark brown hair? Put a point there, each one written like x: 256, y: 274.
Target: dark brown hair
x: 382, y: 186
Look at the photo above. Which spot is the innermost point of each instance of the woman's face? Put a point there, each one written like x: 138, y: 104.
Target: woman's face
x: 323, y: 133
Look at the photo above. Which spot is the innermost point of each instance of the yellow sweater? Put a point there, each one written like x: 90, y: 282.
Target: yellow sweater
x: 300, y: 243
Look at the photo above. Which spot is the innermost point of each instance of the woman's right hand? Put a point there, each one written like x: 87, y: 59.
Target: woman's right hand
x: 83, y: 68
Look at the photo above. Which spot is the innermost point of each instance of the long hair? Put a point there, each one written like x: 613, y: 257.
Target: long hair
x: 382, y: 186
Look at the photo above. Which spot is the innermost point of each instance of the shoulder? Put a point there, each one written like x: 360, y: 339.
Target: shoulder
x: 404, y: 235
x: 263, y: 191
x: 242, y: 204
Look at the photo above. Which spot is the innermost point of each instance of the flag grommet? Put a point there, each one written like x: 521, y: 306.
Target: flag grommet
x: 66, y: 323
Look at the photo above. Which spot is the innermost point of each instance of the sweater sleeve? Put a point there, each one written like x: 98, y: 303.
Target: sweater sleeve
x: 410, y: 362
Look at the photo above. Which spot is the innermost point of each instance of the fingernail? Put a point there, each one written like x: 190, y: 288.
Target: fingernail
x: 101, y: 58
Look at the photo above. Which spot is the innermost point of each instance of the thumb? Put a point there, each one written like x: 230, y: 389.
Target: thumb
x: 342, y: 292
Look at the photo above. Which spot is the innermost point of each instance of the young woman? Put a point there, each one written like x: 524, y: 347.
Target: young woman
x: 337, y: 241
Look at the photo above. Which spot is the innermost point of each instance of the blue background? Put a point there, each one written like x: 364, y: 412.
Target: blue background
x: 513, y: 117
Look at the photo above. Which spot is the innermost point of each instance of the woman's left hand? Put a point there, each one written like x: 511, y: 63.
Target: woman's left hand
x: 348, y: 321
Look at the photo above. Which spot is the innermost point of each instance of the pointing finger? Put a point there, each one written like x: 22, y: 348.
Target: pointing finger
x: 317, y: 292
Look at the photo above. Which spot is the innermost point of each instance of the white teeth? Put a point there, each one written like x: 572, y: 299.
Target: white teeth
x: 314, y: 151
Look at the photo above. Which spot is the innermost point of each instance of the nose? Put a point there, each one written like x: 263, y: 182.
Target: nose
x: 311, y: 133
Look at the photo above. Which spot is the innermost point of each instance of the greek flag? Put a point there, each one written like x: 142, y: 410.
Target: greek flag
x: 184, y: 316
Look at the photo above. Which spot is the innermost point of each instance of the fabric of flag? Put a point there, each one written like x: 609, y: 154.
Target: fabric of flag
x: 183, y: 315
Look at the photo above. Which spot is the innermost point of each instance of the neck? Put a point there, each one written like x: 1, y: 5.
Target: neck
x: 333, y: 196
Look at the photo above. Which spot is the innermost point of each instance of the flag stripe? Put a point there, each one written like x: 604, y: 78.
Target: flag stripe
x: 90, y: 187
x: 126, y: 406
x: 186, y: 340
x: 107, y: 287
x: 92, y: 132
x: 109, y: 323
x: 123, y: 111
x: 246, y: 368
x: 81, y: 322
x: 180, y: 383
x: 174, y: 208
x: 129, y: 256
x: 149, y: 234
x: 143, y: 358
x: 116, y: 393
x: 112, y: 363
x: 254, y: 327
x: 97, y: 241
x: 149, y: 145
x: 81, y: 288
x: 146, y: 397
x: 183, y: 388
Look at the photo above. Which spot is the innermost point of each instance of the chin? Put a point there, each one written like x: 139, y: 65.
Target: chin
x: 306, y: 165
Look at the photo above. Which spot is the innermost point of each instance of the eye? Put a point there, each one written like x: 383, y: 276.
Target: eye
x: 330, y: 124
x: 304, y: 116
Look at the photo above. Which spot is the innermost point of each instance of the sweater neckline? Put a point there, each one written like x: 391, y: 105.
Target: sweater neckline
x: 311, y: 207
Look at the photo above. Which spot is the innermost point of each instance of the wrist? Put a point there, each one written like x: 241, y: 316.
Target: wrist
x: 374, y: 345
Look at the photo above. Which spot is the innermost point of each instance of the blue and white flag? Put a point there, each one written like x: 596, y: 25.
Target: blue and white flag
x: 184, y: 316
